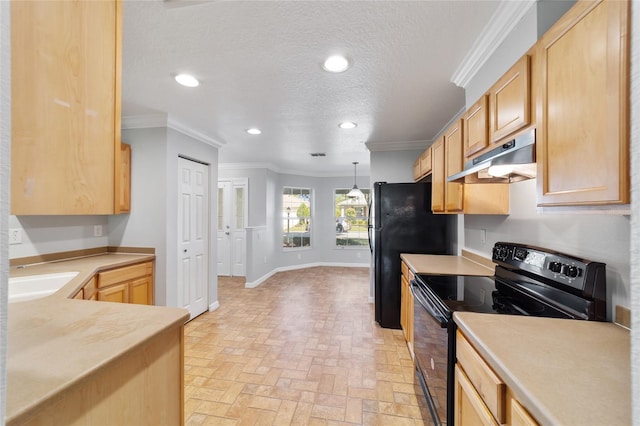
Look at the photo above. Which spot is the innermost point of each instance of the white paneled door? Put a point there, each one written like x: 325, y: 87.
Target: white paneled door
x: 232, y: 220
x: 193, y: 233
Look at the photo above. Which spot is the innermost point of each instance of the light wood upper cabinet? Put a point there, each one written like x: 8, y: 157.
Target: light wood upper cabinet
x: 65, y: 92
x: 449, y: 197
x: 453, y: 165
x: 475, y: 125
x: 416, y: 170
x: 125, y: 178
x: 437, y: 176
x: 510, y: 101
x: 583, y: 101
x: 422, y: 165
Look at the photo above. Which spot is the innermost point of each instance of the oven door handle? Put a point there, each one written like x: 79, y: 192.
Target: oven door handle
x: 418, y: 293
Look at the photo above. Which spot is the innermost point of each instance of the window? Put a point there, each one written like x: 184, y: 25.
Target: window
x: 351, y: 214
x: 296, y: 217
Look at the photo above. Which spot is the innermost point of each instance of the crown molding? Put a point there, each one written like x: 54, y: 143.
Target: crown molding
x: 397, y: 145
x: 272, y: 167
x: 176, y: 125
x: 149, y: 121
x: 506, y: 17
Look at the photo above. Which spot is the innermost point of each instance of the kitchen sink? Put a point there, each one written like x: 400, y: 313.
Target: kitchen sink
x: 36, y: 286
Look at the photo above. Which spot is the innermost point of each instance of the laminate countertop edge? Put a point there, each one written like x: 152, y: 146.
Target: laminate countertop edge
x: 55, y: 343
x: 434, y: 264
x: 564, y: 372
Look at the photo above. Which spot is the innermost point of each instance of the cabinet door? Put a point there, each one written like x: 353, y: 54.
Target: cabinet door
x: 476, y: 127
x: 65, y: 98
x: 141, y: 291
x: 519, y: 415
x: 125, y: 179
x: 437, y: 176
x: 416, y: 170
x: 469, y: 407
x: 583, y: 127
x: 453, y: 165
x: 510, y: 101
x: 404, y: 294
x: 425, y: 162
x: 117, y: 293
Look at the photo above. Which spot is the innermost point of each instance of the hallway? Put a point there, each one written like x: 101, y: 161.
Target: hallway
x: 302, y: 348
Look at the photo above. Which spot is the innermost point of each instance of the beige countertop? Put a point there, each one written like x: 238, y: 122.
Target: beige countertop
x: 445, y: 265
x: 565, y: 372
x: 56, y: 342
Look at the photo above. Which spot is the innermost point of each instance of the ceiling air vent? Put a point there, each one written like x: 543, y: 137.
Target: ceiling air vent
x: 318, y: 154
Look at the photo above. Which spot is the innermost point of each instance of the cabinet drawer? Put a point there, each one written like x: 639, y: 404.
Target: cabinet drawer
x: 127, y: 273
x: 488, y: 385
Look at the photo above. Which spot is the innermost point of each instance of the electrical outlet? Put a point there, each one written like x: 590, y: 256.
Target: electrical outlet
x: 15, y: 236
x: 483, y: 235
x: 97, y: 230
x: 299, y: 256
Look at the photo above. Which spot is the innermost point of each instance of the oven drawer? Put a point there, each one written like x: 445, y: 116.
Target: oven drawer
x: 490, y: 388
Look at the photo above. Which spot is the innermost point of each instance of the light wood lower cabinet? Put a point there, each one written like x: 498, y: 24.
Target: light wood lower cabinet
x: 481, y: 396
x: 143, y: 387
x: 406, y: 306
x: 130, y: 284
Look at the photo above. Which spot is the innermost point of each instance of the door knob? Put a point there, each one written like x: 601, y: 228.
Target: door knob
x: 185, y: 250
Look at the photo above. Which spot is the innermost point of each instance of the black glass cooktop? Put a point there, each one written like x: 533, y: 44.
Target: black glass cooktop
x: 484, y: 295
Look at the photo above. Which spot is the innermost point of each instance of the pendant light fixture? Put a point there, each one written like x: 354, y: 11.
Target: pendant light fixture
x: 355, y: 191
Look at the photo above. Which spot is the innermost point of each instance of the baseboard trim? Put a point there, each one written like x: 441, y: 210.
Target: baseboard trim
x: 215, y: 305
x: 256, y: 283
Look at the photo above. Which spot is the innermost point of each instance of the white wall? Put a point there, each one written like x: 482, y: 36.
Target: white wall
x: 265, y: 254
x: 146, y: 225
x: 54, y: 234
x: 257, y: 190
x: 154, y: 193
x: 392, y: 166
x: 598, y: 237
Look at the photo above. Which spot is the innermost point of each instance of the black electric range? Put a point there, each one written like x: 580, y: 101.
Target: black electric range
x: 528, y: 280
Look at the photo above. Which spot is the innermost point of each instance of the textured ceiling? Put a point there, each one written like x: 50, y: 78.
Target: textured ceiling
x: 259, y: 64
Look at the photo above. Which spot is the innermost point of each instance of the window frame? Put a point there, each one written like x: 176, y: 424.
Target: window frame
x: 364, y: 217
x: 284, y: 219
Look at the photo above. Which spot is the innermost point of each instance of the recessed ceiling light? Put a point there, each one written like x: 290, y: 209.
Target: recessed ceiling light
x: 348, y: 125
x: 254, y: 131
x: 336, y: 63
x: 187, y: 80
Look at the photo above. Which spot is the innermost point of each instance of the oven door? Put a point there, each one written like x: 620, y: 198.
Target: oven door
x: 432, y: 350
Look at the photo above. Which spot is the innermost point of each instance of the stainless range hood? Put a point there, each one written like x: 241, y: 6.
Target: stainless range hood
x: 512, y: 161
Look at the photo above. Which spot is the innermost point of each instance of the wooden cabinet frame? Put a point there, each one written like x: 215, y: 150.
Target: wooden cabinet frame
x: 583, y: 142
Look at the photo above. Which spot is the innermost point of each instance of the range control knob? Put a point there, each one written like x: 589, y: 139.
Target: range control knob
x: 571, y: 271
x: 555, y: 267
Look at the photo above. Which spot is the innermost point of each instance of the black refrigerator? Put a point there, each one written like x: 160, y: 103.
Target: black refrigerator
x: 401, y: 221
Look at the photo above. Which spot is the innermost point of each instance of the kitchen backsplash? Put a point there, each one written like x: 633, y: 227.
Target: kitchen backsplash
x: 598, y: 237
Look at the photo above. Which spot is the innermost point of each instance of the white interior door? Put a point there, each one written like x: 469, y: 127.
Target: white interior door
x: 232, y: 220
x: 193, y: 231
x: 224, y: 228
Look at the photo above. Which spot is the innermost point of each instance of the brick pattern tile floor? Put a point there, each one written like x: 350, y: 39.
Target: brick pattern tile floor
x: 303, y: 349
